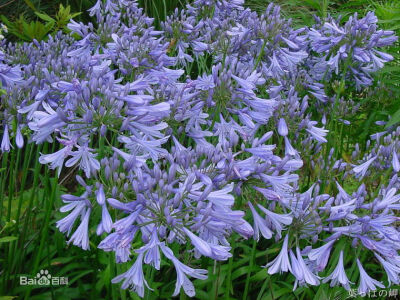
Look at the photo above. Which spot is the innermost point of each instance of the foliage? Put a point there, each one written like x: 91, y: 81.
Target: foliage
x: 28, y: 31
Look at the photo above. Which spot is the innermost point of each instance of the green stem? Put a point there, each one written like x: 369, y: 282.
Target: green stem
x: 52, y: 187
x: 27, y: 160
x: 229, y: 274
x: 3, y: 177
x: 251, y: 263
x: 21, y: 247
x: 10, y: 185
x: 216, y: 285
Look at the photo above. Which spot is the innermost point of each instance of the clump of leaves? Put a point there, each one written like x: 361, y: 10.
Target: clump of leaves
x: 39, y: 29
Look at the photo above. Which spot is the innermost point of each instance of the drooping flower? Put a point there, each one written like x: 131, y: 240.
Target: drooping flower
x: 181, y: 271
x: 5, y: 142
x: 19, y: 139
x: 282, y: 127
x: 87, y: 161
x: 216, y: 252
x: 363, y: 168
x: 260, y: 225
x: 277, y: 220
x: 78, y: 206
x: 395, y: 162
x: 321, y: 255
x: 106, y: 221
x: 308, y: 276
x: 10, y: 75
x: 392, y: 270
x: 366, y: 282
x: 56, y: 159
x: 134, y: 277
x: 338, y: 276
x: 80, y: 237
x: 281, y: 262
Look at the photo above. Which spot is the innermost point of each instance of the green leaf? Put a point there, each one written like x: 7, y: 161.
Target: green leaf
x: 394, y: 119
x: 8, y: 239
x: 75, y: 15
x: 30, y: 4
x: 45, y: 17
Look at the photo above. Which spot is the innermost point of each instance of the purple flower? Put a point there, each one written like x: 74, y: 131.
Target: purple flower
x: 296, y: 270
x: 260, y: 225
x: 389, y: 198
x: 106, y: 221
x: 222, y: 197
x: 152, y: 251
x: 200, y: 245
x: 281, y: 262
x: 317, y: 133
x: 100, y: 196
x: 216, y: 252
x: 56, y: 159
x: 87, y: 163
x: 80, y: 237
x: 362, y: 169
x: 321, y: 255
x: 289, y: 150
x: 205, y: 82
x: 134, y: 277
x: 77, y: 205
x: 282, y: 127
x: 5, y: 142
x: 19, y: 139
x: 392, y: 270
x: 10, y: 75
x: 277, y: 220
x: 395, y: 162
x: 123, y: 223
x: 181, y: 271
x: 308, y: 276
x: 96, y: 9
x: 338, y: 275
x: 366, y: 282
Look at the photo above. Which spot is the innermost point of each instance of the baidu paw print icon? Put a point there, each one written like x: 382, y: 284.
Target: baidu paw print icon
x: 43, y: 277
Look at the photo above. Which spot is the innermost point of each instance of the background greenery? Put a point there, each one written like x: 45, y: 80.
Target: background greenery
x: 29, y: 200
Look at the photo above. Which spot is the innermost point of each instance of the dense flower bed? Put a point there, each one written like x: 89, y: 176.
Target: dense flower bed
x: 179, y: 132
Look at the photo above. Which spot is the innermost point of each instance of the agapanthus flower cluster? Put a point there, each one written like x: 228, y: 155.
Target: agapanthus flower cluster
x: 354, y: 46
x: 172, y: 130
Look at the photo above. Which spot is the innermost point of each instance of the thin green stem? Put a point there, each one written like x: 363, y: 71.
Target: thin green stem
x: 229, y: 274
x: 251, y: 264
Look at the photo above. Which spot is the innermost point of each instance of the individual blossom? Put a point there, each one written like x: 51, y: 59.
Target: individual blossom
x: 338, y: 276
x: 281, y: 263
x: 321, y: 255
x: 307, y: 275
x: 363, y: 168
x: 366, y: 282
x: 5, y: 141
x: 80, y: 237
x: 87, y: 161
x: 392, y: 270
x: 277, y: 220
x: 260, y: 225
x: 134, y: 277
x: 182, y: 271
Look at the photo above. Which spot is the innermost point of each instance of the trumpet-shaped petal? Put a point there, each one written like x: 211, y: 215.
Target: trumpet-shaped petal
x: 366, y: 282
x: 281, y: 262
x: 338, y: 276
